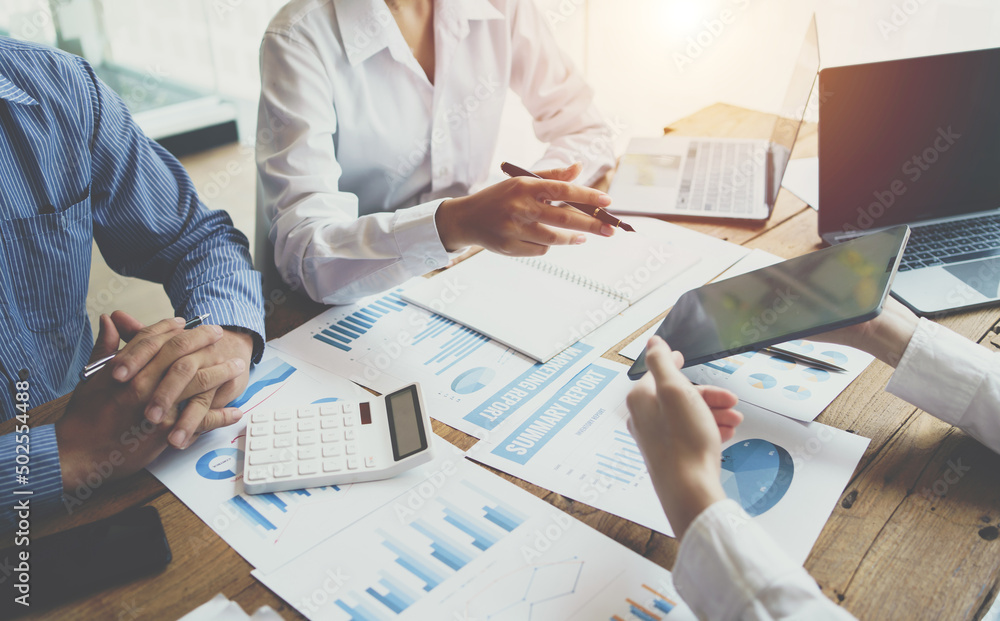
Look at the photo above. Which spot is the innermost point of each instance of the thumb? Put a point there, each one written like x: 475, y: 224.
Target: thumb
x: 107, y: 339
x: 569, y: 173
x: 127, y: 325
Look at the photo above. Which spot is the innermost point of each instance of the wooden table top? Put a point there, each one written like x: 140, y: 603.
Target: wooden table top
x: 889, y: 550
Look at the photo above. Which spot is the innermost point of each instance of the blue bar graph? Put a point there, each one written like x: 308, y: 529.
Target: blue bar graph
x: 346, y: 330
x: 397, y: 596
x: 642, y: 614
x: 482, y: 538
x: 501, y: 515
x: 444, y: 548
x: 274, y: 500
x: 251, y: 514
x: 360, y: 612
x: 411, y: 562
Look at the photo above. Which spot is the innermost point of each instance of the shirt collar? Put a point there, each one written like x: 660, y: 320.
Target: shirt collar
x: 10, y: 92
x: 367, y: 26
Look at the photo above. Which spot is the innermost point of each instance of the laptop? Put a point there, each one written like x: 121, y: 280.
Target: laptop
x: 716, y: 177
x: 917, y: 142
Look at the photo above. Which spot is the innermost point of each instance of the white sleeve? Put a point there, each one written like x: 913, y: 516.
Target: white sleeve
x: 728, y: 568
x: 952, y: 378
x: 319, y: 239
x: 558, y: 98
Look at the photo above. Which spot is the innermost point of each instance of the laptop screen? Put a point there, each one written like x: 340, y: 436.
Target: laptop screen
x: 793, y: 109
x: 909, y: 140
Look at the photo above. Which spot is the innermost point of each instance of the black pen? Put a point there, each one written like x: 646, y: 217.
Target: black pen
x: 97, y: 365
x: 804, y: 359
x: 591, y: 210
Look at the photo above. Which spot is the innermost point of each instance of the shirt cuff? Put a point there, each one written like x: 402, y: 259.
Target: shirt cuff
x: 723, y: 546
x: 234, y: 301
x: 416, y: 234
x: 43, y: 474
x: 951, y: 364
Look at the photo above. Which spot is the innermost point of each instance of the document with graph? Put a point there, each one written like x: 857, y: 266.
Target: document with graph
x: 465, y: 544
x: 540, y: 305
x: 468, y: 380
x: 268, y: 529
x: 787, y: 475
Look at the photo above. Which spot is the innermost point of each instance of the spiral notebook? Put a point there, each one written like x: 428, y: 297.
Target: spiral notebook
x: 541, y: 305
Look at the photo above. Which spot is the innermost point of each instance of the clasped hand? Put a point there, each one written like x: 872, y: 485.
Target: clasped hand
x: 171, y: 381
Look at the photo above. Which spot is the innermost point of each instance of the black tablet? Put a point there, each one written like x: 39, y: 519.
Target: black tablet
x: 818, y: 292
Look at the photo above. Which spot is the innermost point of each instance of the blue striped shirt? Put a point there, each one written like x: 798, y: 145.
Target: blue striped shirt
x: 74, y: 167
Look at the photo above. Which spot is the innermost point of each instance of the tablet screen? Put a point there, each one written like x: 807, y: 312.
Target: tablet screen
x: 814, y: 293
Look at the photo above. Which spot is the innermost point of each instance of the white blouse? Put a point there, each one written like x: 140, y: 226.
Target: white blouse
x: 943, y: 374
x: 356, y: 148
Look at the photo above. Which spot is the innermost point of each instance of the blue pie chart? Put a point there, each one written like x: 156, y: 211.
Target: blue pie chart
x: 835, y: 357
x: 220, y: 464
x: 756, y: 474
x: 473, y: 380
x: 796, y: 393
x: 816, y: 375
x: 762, y: 381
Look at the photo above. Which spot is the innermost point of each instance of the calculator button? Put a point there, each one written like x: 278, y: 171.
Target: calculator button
x: 351, y: 448
x: 280, y: 471
x: 309, y: 411
x: 332, y: 465
x: 256, y: 474
x: 308, y: 453
x: 311, y: 467
x: 331, y: 436
x: 305, y: 439
x: 257, y: 444
x: 348, y: 420
x: 282, y: 428
x: 369, y: 462
x: 283, y: 442
x: 331, y: 451
x: 348, y: 407
x: 260, y: 430
x: 260, y: 417
x: 328, y: 408
x: 267, y: 457
x: 285, y: 414
x: 348, y: 434
x: 330, y: 423
x: 352, y: 463
x: 307, y: 425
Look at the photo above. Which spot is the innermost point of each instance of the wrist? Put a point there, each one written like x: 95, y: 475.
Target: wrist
x: 450, y: 224
x: 686, y: 491
x: 892, y: 334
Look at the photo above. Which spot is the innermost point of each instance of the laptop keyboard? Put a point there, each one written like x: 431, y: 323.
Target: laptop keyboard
x: 718, y: 177
x: 952, y: 242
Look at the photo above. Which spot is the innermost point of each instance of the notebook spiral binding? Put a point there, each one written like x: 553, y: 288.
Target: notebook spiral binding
x: 573, y: 277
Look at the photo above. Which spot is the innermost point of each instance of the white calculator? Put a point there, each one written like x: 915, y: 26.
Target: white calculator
x: 336, y: 443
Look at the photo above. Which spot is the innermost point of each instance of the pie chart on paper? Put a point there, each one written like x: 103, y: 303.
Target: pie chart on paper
x: 473, y: 380
x: 762, y: 381
x: 756, y: 474
x: 796, y: 393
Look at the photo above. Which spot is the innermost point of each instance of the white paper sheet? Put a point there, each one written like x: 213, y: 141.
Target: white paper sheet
x: 576, y: 444
x: 465, y: 544
x: 802, y: 179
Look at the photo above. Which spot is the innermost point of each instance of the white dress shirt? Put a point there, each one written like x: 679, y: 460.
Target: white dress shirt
x: 356, y: 148
x: 943, y: 374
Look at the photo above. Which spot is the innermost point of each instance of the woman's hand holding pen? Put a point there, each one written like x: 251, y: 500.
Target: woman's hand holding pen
x: 106, y: 420
x: 514, y: 217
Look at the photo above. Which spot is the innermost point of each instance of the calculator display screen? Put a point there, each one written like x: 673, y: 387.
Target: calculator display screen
x: 406, y: 427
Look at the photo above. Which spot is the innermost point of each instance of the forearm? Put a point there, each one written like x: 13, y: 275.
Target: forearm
x: 338, y: 259
x: 42, y: 476
x: 728, y: 568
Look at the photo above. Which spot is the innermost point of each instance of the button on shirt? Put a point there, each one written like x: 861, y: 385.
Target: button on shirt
x: 75, y: 168
x: 356, y: 148
x: 728, y: 568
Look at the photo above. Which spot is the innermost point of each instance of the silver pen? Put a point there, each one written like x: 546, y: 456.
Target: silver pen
x: 97, y: 365
x: 807, y: 360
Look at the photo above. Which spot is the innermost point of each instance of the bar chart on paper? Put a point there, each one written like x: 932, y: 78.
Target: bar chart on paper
x: 430, y: 549
x: 384, y: 343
